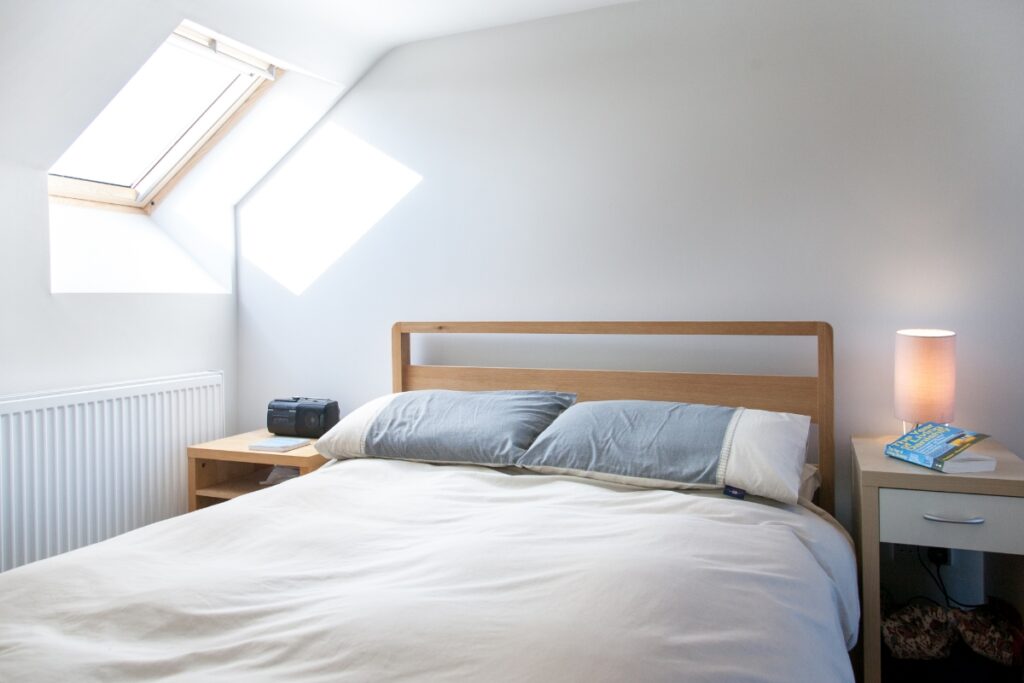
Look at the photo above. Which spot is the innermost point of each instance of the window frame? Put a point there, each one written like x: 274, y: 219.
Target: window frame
x: 107, y: 195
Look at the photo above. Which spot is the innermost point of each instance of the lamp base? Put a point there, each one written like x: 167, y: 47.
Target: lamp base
x: 915, y: 425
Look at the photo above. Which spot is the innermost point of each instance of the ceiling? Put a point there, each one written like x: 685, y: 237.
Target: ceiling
x: 336, y: 35
x: 66, y: 59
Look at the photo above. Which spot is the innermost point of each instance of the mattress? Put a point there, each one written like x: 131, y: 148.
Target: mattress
x: 377, y: 570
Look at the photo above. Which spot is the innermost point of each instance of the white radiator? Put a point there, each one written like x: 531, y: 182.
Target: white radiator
x: 86, y: 464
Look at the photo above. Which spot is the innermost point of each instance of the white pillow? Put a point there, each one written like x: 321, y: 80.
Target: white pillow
x: 768, y: 453
x: 810, y: 481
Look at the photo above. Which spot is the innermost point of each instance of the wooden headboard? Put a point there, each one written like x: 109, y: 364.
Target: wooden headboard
x: 805, y: 395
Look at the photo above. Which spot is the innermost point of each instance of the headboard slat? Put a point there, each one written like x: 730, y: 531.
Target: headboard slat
x: 765, y: 328
x: 782, y: 393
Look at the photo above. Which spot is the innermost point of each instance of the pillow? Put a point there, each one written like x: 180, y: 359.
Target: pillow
x: 676, y: 445
x: 491, y: 428
x: 810, y: 481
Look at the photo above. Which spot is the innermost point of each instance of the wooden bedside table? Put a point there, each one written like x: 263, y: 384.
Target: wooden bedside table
x: 896, y: 502
x: 226, y: 468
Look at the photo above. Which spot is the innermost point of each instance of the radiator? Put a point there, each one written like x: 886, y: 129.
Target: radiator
x: 86, y: 464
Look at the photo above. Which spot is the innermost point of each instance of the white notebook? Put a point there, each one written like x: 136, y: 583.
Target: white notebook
x: 279, y: 444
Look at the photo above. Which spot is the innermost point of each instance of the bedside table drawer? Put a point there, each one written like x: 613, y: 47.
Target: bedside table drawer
x: 951, y: 520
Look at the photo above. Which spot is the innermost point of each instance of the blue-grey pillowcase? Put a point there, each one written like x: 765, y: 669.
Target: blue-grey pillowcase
x: 634, y: 440
x: 659, y: 444
x: 491, y: 428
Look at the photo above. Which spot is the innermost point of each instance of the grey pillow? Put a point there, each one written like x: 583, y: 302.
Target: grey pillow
x: 676, y: 445
x: 634, y: 440
x: 490, y: 428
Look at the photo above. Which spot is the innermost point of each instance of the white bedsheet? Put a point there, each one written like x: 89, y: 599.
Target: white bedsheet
x: 376, y: 570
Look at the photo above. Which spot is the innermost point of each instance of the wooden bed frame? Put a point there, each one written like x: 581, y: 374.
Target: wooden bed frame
x: 810, y: 395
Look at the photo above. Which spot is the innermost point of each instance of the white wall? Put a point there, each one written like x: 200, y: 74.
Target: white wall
x: 860, y: 163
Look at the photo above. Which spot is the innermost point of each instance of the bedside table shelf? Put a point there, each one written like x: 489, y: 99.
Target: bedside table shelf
x: 896, y: 502
x: 224, y: 469
x: 226, y: 490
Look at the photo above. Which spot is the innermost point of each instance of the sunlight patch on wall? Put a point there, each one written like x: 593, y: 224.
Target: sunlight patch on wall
x: 99, y: 251
x: 329, y: 193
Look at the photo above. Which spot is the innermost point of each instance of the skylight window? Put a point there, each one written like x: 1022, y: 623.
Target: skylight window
x: 190, y: 88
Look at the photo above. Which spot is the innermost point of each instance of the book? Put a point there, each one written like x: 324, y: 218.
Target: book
x: 941, y: 447
x: 278, y: 444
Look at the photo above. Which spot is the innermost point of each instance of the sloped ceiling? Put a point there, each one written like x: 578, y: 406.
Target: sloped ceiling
x: 65, y: 59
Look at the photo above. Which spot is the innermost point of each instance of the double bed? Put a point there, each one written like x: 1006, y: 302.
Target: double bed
x: 378, y: 569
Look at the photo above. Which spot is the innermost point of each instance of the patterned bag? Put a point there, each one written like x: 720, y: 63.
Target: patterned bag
x: 920, y: 632
x: 993, y: 631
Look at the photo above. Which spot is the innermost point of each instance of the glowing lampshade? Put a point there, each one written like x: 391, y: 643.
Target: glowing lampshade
x: 925, y: 375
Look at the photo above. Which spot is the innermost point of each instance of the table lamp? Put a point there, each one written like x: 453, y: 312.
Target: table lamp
x: 925, y: 378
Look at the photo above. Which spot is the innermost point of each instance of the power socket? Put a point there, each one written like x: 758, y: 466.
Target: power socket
x: 938, y: 556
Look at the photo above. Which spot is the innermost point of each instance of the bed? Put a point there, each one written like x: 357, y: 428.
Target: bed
x: 375, y: 569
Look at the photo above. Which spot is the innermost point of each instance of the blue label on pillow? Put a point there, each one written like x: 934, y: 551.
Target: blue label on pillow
x: 734, y: 492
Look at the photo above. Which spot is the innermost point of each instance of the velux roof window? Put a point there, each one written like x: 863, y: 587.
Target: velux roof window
x: 168, y: 113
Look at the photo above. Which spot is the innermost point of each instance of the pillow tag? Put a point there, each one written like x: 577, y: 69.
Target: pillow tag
x: 735, y: 492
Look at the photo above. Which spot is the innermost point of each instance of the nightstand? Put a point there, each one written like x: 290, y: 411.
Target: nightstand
x: 226, y: 468
x: 896, y: 502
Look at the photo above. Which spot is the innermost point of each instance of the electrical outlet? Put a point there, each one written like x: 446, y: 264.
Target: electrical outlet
x: 939, y: 556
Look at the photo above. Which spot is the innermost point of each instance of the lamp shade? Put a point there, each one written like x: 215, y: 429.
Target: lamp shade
x: 925, y: 380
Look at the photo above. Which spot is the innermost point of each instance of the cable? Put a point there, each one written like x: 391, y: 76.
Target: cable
x: 941, y: 585
x: 937, y: 580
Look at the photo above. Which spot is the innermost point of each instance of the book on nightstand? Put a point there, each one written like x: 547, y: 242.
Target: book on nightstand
x: 278, y: 444
x: 941, y: 447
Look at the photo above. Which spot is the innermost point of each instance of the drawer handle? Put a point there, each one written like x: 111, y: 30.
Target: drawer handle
x: 948, y: 520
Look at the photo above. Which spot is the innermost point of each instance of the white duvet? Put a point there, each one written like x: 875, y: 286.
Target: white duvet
x: 374, y: 570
